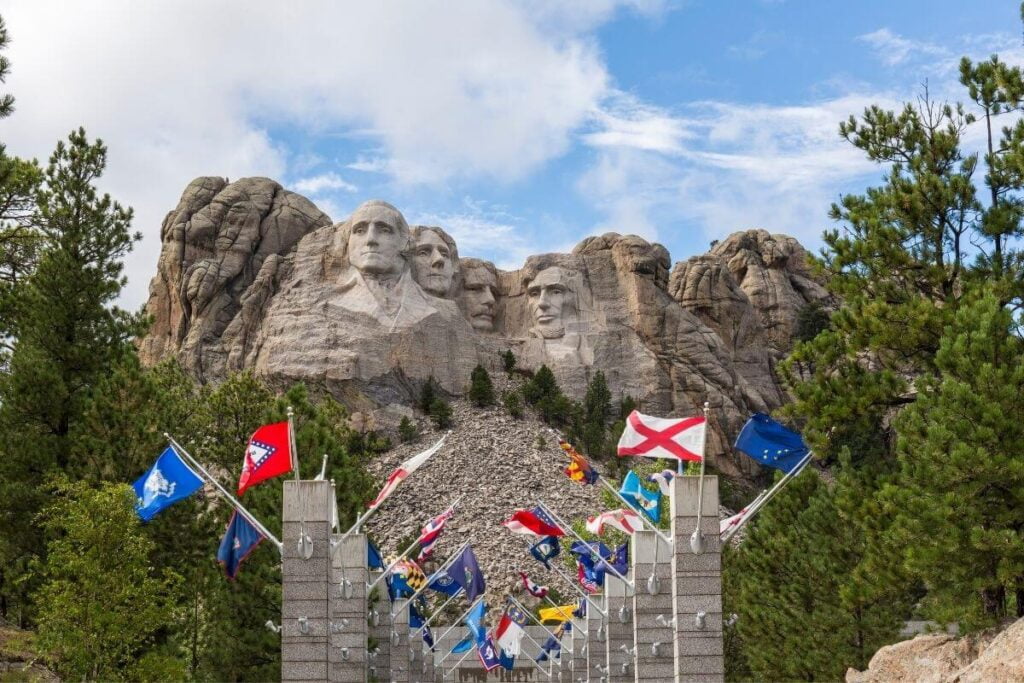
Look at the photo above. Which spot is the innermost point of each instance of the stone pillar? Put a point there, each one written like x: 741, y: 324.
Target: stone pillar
x: 428, y: 661
x: 305, y: 582
x: 348, y: 626
x: 619, y: 639
x: 597, y: 661
x: 652, y: 665
x: 379, y: 658
x: 401, y: 671
x: 697, y: 584
x: 578, y: 671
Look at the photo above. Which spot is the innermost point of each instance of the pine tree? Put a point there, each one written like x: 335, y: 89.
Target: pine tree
x: 508, y: 361
x: 597, y: 408
x: 441, y: 413
x: 513, y: 403
x: 427, y: 394
x: 481, y: 390
x: 406, y: 429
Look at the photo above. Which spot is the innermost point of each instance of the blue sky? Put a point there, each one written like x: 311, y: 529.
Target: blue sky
x: 521, y: 127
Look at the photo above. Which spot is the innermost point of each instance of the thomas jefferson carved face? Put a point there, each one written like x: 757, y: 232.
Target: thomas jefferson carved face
x: 433, y: 263
x: 550, y: 300
x: 479, y: 292
x: 377, y: 239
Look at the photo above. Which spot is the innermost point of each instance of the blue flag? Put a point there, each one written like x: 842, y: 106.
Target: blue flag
x: 416, y: 621
x: 475, y: 623
x: 463, y: 646
x: 167, y: 481
x: 239, y: 540
x: 581, y: 609
x: 771, y: 444
x: 551, y: 647
x: 443, y: 582
x: 646, y: 502
x: 465, y: 571
x: 506, y: 660
x: 488, y: 654
x: 545, y: 550
x: 373, y: 558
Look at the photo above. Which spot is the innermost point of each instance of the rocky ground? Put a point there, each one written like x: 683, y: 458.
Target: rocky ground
x: 991, y: 655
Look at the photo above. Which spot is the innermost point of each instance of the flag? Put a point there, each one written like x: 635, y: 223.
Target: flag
x: 240, y: 539
x: 532, y: 588
x: 488, y: 655
x: 664, y: 480
x: 545, y: 550
x: 268, y: 455
x: 588, y: 577
x: 647, y: 502
x: 581, y: 609
x: 442, y: 582
x: 507, y: 661
x: 164, y: 484
x: 510, y: 630
x: 535, y: 522
x: 431, y: 532
x: 403, y: 471
x: 579, y: 470
x: 771, y: 444
x: 373, y: 559
x: 464, y: 645
x: 416, y: 621
x: 406, y: 578
x: 466, y: 572
x: 550, y: 648
x: 620, y: 559
x: 626, y: 521
x: 560, y: 613
x: 737, y: 519
x: 593, y: 560
x: 659, y: 437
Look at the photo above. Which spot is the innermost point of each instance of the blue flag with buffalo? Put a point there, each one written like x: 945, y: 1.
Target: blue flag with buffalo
x: 164, y: 484
x: 240, y: 539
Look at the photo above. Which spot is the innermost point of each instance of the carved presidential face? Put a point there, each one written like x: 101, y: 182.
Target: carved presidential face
x: 479, y: 295
x: 550, y: 301
x: 376, y: 241
x: 433, y: 263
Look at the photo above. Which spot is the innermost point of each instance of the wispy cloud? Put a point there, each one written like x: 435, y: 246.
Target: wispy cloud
x: 325, y: 181
x: 625, y: 121
x: 892, y: 48
x: 484, y: 231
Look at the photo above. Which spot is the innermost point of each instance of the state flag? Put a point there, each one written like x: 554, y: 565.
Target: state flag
x: 664, y: 481
x: 164, y: 484
x: 559, y: 614
x: 579, y: 470
x: 659, y: 437
x: 406, y: 578
x: 443, y: 582
x: 488, y: 655
x: 545, y: 550
x: 534, y: 522
x: 267, y: 455
x: 551, y: 648
x: 510, y: 630
x: 404, y: 470
x: 431, y: 532
x: 771, y: 444
x: 532, y: 588
x: 624, y: 520
x: 466, y: 572
x: 240, y: 539
x: 647, y: 502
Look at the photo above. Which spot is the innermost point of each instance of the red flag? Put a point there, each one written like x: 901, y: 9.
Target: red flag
x: 534, y: 522
x: 268, y: 455
x: 659, y: 437
x: 532, y: 588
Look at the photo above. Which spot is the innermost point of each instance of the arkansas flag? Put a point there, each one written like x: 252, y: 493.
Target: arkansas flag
x: 658, y: 437
x: 268, y: 455
x: 404, y: 470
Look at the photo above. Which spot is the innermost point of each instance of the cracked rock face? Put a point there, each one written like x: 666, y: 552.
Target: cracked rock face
x: 254, y: 276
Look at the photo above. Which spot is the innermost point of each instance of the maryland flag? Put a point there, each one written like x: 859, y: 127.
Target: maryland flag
x: 406, y: 578
x: 579, y: 470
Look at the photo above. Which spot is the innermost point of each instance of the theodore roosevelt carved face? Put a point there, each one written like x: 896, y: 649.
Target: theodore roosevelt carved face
x: 479, y: 293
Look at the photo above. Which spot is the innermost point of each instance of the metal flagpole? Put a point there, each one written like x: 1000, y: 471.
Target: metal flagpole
x: 566, y: 527
x: 291, y: 443
x: 457, y: 623
x: 572, y: 584
x: 461, y: 659
x: 643, y: 518
x: 433, y: 576
x: 234, y: 502
x: 426, y: 622
x: 551, y: 659
x: 405, y: 552
x: 697, y: 538
x: 756, y: 507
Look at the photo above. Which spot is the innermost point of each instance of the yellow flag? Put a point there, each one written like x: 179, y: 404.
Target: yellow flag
x: 557, y: 614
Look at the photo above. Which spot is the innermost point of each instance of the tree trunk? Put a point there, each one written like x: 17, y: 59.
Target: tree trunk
x: 993, y: 600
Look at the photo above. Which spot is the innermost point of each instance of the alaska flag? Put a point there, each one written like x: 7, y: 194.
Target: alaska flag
x: 240, y: 539
x: 545, y: 550
x: 466, y: 572
x: 443, y: 582
x: 647, y: 502
x: 373, y: 558
x: 167, y: 481
x: 771, y: 444
x: 620, y: 559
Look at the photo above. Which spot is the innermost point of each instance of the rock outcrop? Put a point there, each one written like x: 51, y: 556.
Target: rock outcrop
x: 254, y: 276
x: 941, y: 658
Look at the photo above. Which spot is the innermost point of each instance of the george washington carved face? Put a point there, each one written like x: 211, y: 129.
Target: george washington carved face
x: 377, y: 238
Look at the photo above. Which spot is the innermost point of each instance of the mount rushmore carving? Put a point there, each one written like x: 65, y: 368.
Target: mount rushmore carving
x: 252, y: 276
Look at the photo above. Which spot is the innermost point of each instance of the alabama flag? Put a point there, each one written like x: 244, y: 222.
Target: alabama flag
x: 268, y: 455
x: 404, y: 470
x: 658, y: 437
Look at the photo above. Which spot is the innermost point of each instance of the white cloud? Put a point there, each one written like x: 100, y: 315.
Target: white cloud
x: 314, y: 185
x: 483, y: 231
x: 892, y: 48
x: 624, y: 121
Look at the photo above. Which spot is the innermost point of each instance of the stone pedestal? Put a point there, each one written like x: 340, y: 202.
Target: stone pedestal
x: 348, y: 626
x: 578, y: 670
x: 653, y: 664
x: 619, y: 640
x: 379, y: 657
x: 305, y: 582
x: 597, y: 660
x: 697, y: 584
x: 401, y: 670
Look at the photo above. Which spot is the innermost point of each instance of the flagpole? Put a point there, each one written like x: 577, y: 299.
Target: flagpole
x: 565, y: 527
x: 697, y: 539
x: 405, y: 552
x: 557, y: 607
x: 572, y: 584
x: 426, y: 622
x: 756, y: 507
x: 433, y: 576
x: 462, y: 659
x: 291, y: 443
x: 640, y: 513
x: 551, y: 659
x: 455, y: 625
x: 234, y: 502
